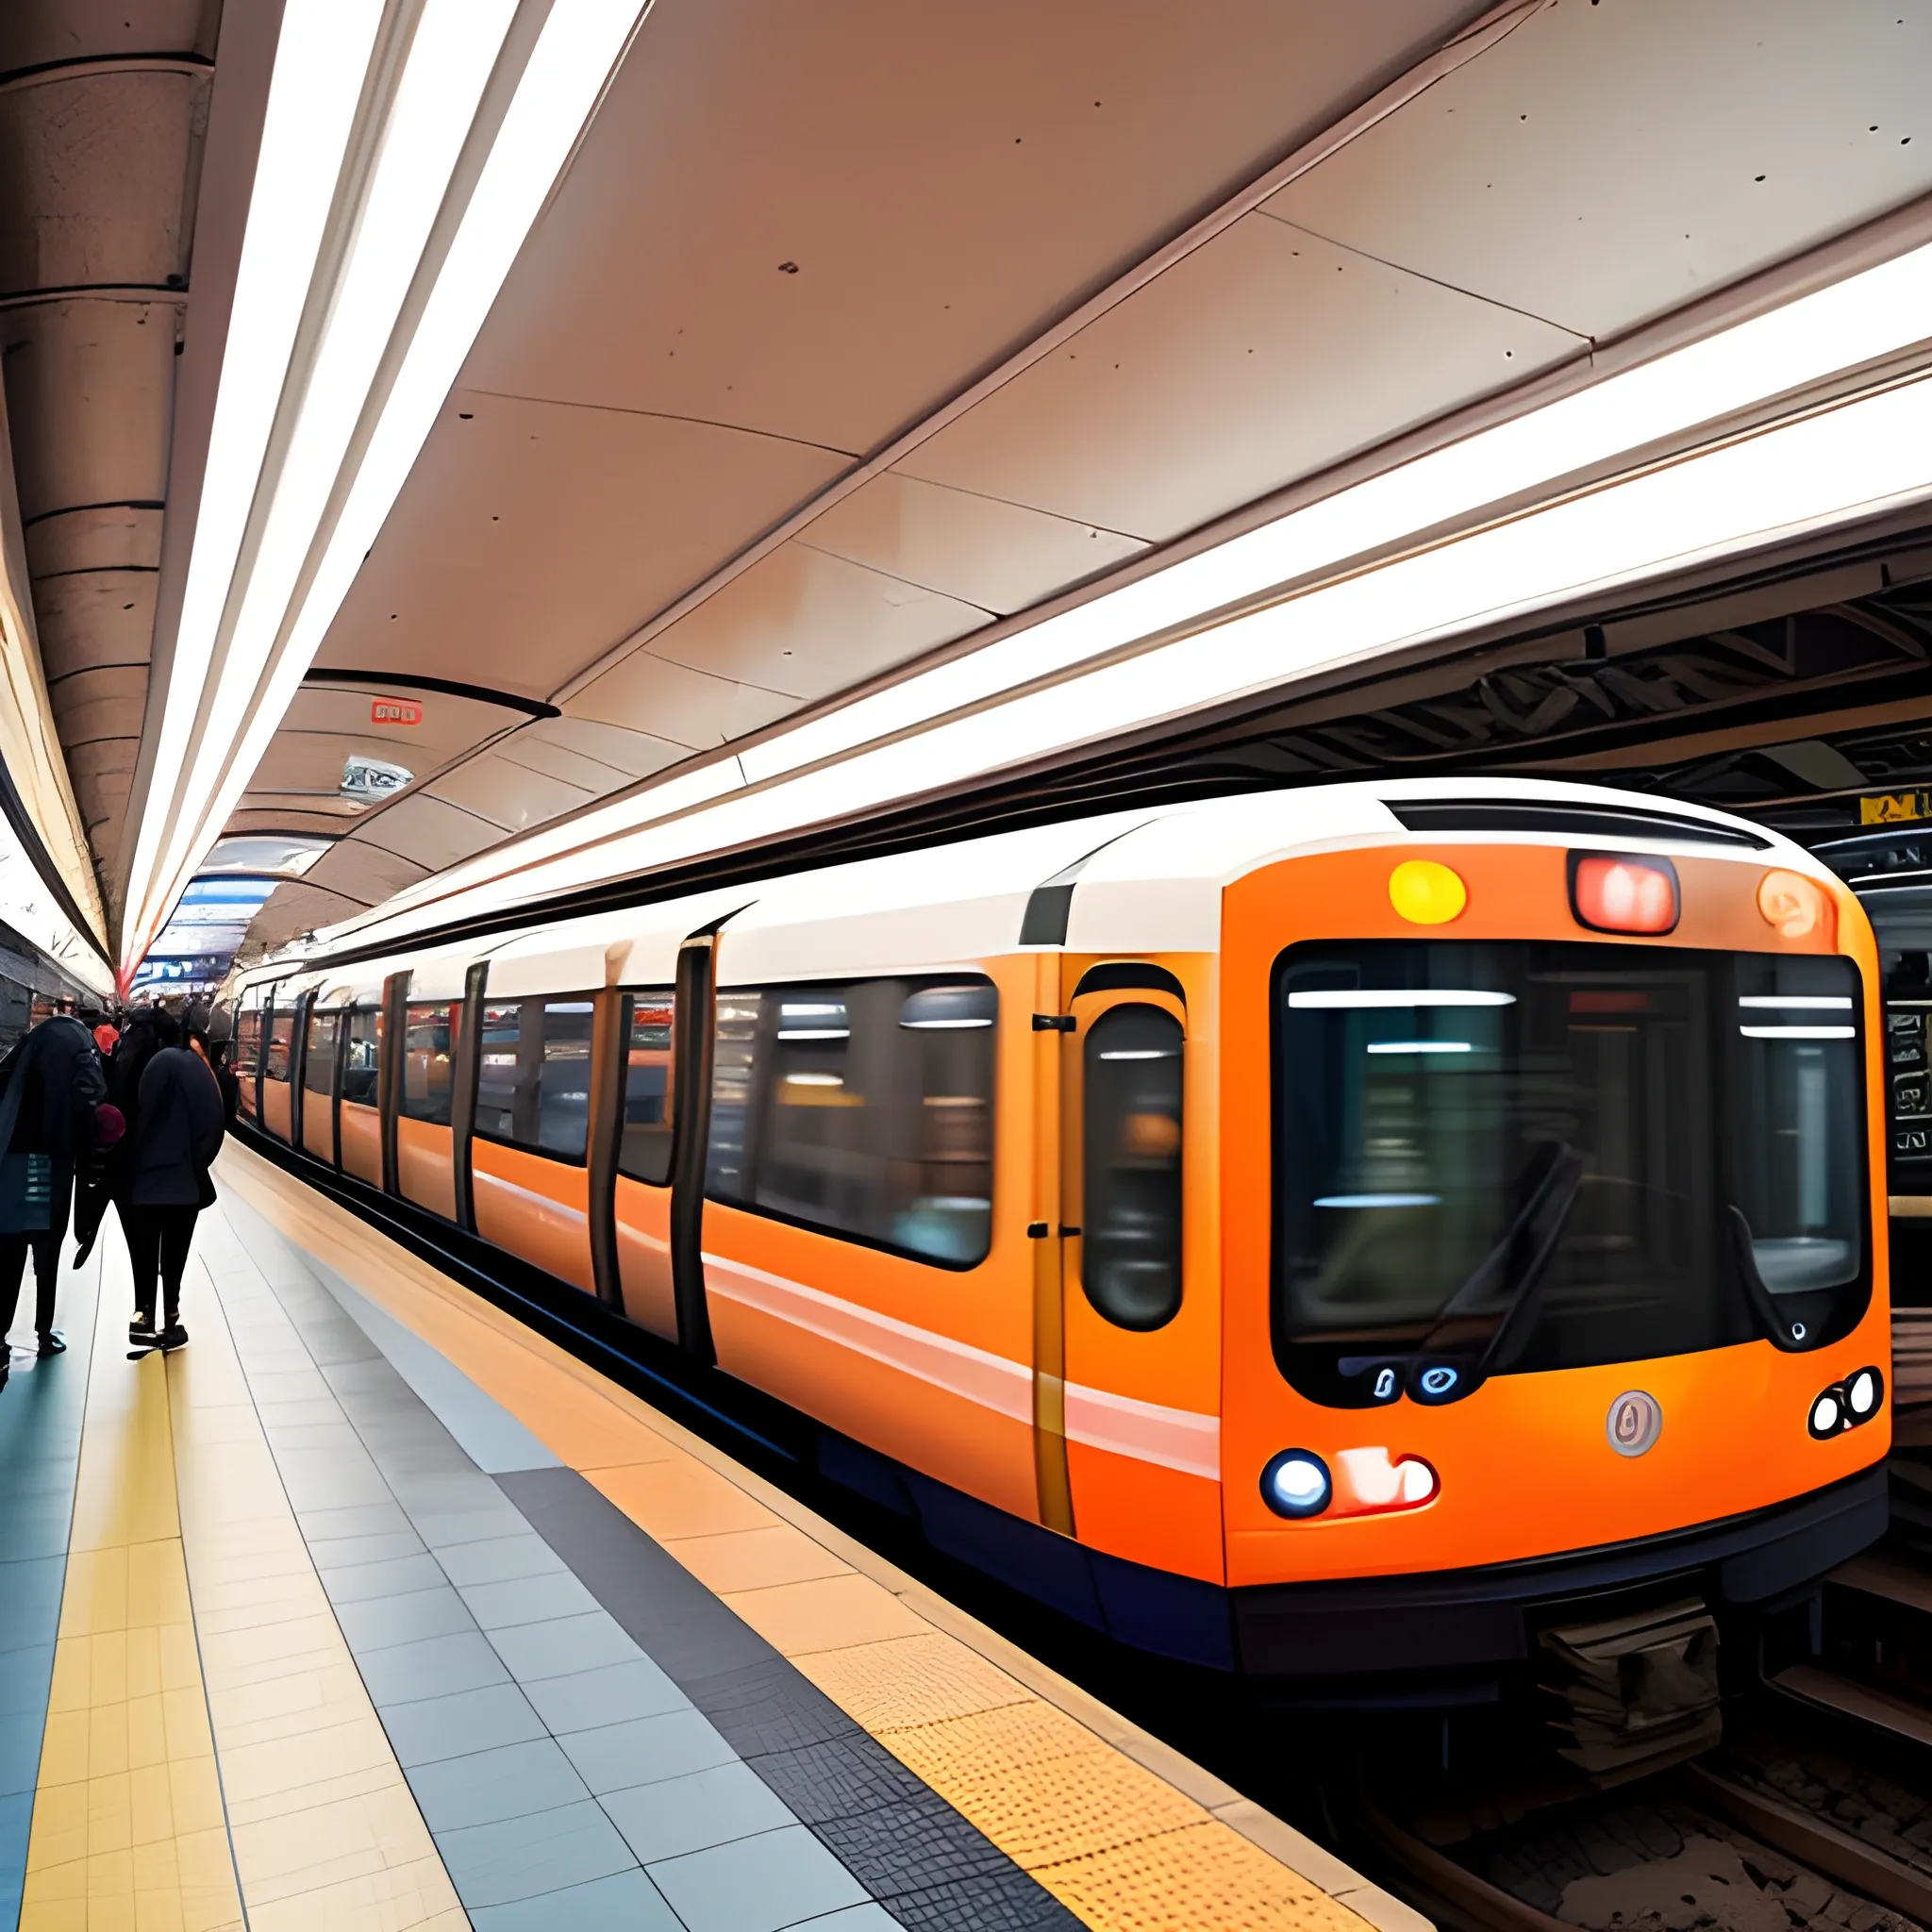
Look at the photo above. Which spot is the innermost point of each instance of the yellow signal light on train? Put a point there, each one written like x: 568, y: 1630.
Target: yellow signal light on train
x: 1427, y: 893
x: 1791, y: 903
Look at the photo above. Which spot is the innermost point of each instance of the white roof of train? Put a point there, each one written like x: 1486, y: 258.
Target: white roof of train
x: 1148, y: 880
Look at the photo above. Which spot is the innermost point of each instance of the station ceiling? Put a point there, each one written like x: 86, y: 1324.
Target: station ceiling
x: 851, y: 337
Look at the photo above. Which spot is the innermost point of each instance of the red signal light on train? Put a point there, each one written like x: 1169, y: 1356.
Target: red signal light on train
x: 1619, y: 893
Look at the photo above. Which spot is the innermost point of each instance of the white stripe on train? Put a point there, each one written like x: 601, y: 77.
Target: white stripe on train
x: 1176, y: 1439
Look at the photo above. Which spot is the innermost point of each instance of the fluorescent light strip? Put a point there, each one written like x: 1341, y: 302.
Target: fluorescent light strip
x: 320, y: 58
x: 1799, y: 1001
x: 1405, y: 1046
x: 1799, y: 1032
x: 1816, y: 470
x: 1350, y: 996
x: 1378, y: 1201
x: 451, y: 55
x: 577, y: 46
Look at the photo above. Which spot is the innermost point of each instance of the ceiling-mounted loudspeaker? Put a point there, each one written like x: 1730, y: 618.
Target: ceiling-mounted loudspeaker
x: 373, y: 779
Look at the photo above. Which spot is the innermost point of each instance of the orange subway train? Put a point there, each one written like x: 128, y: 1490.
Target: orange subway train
x: 1306, y: 1233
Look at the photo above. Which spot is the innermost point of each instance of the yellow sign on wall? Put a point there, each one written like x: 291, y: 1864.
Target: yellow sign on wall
x: 1895, y: 807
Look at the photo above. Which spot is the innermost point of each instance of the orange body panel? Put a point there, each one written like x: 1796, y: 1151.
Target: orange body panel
x: 361, y: 1130
x: 643, y: 1255
x: 1526, y: 1468
x: 1147, y: 1513
x: 318, y: 1126
x: 275, y: 1107
x: 534, y: 1207
x: 798, y: 1314
x: 425, y: 1166
x: 932, y: 1366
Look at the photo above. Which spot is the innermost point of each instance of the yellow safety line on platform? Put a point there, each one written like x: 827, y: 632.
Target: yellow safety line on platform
x: 129, y: 1829
x: 1128, y: 1834
x: 206, y: 1719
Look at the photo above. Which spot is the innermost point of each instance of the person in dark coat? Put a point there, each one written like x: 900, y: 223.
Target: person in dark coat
x: 215, y: 1053
x: 50, y: 1085
x: 177, y: 1135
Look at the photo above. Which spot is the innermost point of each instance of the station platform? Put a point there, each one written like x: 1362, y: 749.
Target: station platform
x: 373, y: 1608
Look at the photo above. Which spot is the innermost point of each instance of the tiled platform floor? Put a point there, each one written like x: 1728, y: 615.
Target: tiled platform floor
x: 371, y: 1608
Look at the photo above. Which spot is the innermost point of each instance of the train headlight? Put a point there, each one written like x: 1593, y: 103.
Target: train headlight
x: 1296, y: 1483
x: 1846, y: 1404
x: 1828, y: 1415
x: 1862, y: 1394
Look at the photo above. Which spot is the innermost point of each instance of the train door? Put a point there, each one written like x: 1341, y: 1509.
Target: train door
x: 1140, y: 1315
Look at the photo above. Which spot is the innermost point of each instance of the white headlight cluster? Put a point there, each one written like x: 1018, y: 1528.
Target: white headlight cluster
x: 1846, y: 1404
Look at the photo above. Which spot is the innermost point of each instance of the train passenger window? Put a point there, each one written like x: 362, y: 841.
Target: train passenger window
x: 247, y: 1042
x: 862, y: 1108
x: 1130, y: 1254
x: 281, y: 1037
x: 362, y: 1055
x: 427, y: 1066
x: 319, y: 1062
x: 533, y: 1084
x: 644, y: 1152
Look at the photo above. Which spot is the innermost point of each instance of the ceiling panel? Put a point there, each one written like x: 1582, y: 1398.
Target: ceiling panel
x: 510, y: 796
x: 1605, y: 163
x: 636, y: 754
x: 532, y: 536
x: 90, y: 617
x: 554, y: 760
x: 806, y: 623
x: 998, y: 556
x: 360, y: 871
x: 279, y: 816
x: 429, y: 831
x: 833, y: 215
x: 689, y: 708
x: 1265, y: 356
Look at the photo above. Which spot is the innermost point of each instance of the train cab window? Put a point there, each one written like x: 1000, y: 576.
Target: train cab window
x: 1130, y: 1254
x: 427, y: 1066
x: 644, y: 1152
x: 319, y: 1061
x: 281, y: 1039
x: 363, y: 1054
x: 863, y: 1108
x: 533, y: 1084
x: 1525, y: 1156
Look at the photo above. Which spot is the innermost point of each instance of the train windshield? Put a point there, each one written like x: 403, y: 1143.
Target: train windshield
x: 1519, y: 1156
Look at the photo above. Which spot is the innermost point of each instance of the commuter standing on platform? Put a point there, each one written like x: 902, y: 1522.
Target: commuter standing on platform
x: 215, y: 1053
x: 176, y: 1137
x: 52, y: 1084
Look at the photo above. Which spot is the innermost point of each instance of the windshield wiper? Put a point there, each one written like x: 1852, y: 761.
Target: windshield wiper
x: 1780, y: 1330
x: 1512, y: 1273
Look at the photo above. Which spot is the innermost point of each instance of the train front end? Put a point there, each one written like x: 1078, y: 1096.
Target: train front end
x: 1554, y: 1233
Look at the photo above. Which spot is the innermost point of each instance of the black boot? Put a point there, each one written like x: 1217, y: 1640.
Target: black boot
x: 52, y: 1343
x: 173, y: 1335
x: 141, y: 1331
